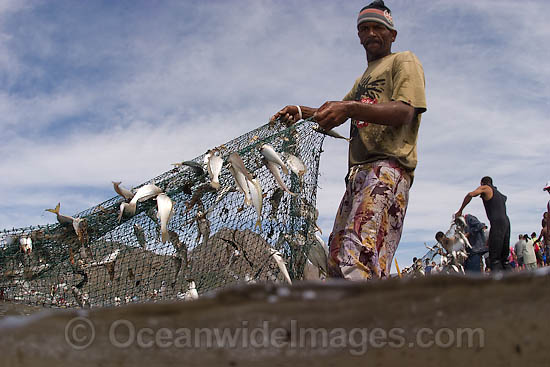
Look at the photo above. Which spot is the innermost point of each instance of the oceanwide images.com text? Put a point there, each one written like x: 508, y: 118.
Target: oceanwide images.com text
x: 80, y: 334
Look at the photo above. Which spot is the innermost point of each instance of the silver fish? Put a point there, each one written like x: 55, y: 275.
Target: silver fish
x: 62, y: 219
x: 68, y: 220
x: 464, y: 239
x: 276, y: 255
x: 296, y: 165
x: 318, y: 254
x: 25, y: 243
x: 165, y: 211
x: 257, y: 199
x: 127, y: 209
x: 80, y: 228
x: 110, y: 258
x: 125, y: 193
x: 432, y: 249
x: 241, y: 175
x: 275, y: 172
x: 140, y: 235
x: 237, y: 163
x: 206, y: 157
x: 333, y: 133
x: 203, y: 225
x: 194, y: 166
x: 214, y: 165
x: 146, y: 192
x: 271, y: 155
x: 191, y: 293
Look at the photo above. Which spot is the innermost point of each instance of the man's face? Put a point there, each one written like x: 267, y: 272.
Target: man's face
x: 442, y: 239
x: 376, y: 39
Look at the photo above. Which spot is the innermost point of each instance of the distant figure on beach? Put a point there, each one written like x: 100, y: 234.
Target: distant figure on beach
x: 519, y: 247
x: 475, y: 235
x: 529, y: 254
x: 499, y: 233
x: 545, y: 231
x: 385, y: 106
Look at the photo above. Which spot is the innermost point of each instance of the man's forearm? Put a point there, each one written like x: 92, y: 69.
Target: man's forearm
x: 465, y: 202
x: 393, y: 113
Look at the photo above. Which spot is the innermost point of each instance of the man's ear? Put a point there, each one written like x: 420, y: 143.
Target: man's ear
x: 394, y: 35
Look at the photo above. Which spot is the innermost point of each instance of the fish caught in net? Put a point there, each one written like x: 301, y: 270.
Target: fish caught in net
x: 192, y: 229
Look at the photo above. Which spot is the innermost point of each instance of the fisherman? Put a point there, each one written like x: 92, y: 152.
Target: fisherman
x: 474, y: 233
x: 385, y: 107
x: 499, y: 234
x: 545, y: 231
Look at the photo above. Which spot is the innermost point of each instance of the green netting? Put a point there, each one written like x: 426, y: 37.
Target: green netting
x: 216, y: 250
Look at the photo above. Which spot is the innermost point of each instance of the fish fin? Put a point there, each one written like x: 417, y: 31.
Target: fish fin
x: 56, y: 210
x: 259, y: 224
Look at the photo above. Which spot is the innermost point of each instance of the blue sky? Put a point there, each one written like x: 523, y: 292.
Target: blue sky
x: 98, y: 91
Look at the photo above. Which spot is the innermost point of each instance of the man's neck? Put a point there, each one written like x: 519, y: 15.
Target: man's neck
x: 375, y: 58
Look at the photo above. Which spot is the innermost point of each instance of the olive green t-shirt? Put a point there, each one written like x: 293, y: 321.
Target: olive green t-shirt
x: 396, y: 77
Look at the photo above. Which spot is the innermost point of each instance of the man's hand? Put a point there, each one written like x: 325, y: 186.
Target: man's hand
x: 331, y: 114
x: 458, y: 214
x: 287, y: 115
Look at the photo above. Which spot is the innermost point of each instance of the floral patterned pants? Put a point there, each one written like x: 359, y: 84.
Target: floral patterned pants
x: 369, y: 222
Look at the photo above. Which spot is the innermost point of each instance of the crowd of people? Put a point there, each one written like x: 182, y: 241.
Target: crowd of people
x: 490, y: 249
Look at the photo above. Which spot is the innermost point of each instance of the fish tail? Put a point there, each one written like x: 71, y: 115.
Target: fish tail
x: 259, y: 224
x: 284, y: 169
x: 56, y: 210
x: 215, y: 185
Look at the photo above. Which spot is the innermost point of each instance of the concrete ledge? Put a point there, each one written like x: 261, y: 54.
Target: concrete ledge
x: 431, y: 321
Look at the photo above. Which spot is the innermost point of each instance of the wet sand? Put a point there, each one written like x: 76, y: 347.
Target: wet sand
x: 431, y: 321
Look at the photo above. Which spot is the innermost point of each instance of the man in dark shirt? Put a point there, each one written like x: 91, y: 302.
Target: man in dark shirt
x: 499, y: 234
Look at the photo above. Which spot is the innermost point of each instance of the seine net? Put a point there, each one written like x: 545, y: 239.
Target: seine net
x: 213, y: 237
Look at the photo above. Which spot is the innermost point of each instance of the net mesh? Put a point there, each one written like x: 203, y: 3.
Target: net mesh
x: 213, y: 237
